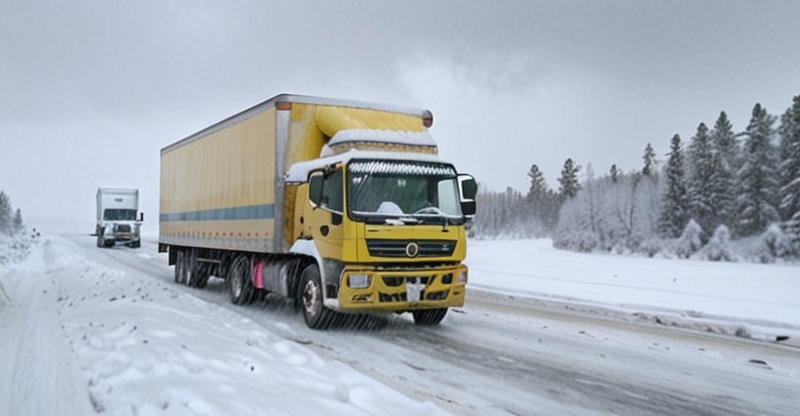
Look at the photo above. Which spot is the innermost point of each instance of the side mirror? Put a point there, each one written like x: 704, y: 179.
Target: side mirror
x: 467, y: 189
x: 141, y: 217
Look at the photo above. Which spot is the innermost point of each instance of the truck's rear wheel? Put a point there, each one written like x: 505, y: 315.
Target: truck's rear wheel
x: 316, y: 315
x: 240, y: 283
x: 179, y: 266
x: 429, y: 317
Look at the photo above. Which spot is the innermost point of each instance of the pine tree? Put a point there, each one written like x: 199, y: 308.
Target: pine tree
x: 724, y: 168
x: 756, y: 207
x: 649, y: 158
x: 614, y: 173
x: 538, y: 188
x: 542, y: 200
x: 790, y: 169
x: 5, y: 213
x: 700, y: 198
x: 674, y: 215
x: 568, y: 182
x: 17, y: 226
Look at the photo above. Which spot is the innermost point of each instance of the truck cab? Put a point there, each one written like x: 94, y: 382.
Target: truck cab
x: 387, y: 228
x: 118, y: 217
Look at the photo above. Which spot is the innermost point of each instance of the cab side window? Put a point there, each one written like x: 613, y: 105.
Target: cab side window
x: 332, y: 192
x: 327, y: 191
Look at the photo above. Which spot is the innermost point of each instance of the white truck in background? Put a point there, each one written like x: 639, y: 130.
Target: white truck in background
x: 118, y: 217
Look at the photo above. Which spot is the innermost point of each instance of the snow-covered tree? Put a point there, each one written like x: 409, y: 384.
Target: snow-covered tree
x: 505, y: 214
x: 568, y: 182
x: 674, y: 213
x: 723, y: 172
x: 543, y: 202
x: 5, y: 213
x: 700, y: 196
x: 789, y: 192
x: 689, y: 241
x: 770, y: 245
x: 758, y: 184
x: 649, y: 158
x: 607, y: 215
x: 719, y: 245
x: 17, y: 225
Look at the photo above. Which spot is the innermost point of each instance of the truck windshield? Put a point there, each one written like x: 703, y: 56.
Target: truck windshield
x: 119, y: 215
x: 381, y: 191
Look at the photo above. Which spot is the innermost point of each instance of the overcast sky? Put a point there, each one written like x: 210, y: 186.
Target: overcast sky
x: 90, y: 91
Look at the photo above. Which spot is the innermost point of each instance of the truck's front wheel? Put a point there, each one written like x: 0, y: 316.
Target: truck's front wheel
x: 240, y: 284
x: 316, y: 315
x: 429, y: 317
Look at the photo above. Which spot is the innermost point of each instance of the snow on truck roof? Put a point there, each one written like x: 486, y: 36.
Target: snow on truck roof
x: 298, y: 172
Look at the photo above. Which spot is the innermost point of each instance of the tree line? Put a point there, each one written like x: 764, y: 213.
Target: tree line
x: 723, y: 195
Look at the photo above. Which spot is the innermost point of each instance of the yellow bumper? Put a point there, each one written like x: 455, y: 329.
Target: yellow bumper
x: 401, y: 290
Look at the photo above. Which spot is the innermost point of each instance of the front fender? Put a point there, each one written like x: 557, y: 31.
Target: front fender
x: 309, y: 248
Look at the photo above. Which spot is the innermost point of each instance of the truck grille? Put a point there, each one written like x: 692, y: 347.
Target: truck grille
x: 397, y: 248
x: 123, y: 228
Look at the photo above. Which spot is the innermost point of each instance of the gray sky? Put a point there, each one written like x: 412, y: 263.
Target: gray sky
x: 90, y: 91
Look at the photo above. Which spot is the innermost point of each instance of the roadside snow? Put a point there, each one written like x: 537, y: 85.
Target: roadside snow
x: 79, y: 338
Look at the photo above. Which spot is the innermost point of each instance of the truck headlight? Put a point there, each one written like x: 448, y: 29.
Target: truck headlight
x: 462, y: 277
x: 358, y: 281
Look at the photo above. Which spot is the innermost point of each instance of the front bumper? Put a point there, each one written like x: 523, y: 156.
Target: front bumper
x: 401, y: 289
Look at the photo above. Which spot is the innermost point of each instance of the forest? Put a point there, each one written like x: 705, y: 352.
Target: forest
x: 721, y: 196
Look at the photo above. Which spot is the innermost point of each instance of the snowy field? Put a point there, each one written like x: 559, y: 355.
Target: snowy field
x: 759, y: 300
x: 70, y: 319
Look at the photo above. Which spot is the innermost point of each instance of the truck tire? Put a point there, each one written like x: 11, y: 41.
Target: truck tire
x: 190, y: 267
x: 179, y: 265
x: 100, y: 241
x: 316, y: 315
x: 240, y: 283
x: 429, y: 317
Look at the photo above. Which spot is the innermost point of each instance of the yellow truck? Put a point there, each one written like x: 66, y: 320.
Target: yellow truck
x: 343, y: 206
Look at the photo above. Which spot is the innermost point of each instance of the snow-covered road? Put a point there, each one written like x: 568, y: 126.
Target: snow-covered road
x: 90, y: 330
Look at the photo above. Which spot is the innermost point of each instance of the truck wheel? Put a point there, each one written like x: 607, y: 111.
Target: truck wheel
x: 179, y: 265
x: 316, y: 315
x: 100, y: 241
x: 189, y: 267
x: 429, y: 317
x: 240, y: 284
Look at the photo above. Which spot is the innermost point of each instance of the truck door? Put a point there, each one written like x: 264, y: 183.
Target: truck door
x: 324, y: 221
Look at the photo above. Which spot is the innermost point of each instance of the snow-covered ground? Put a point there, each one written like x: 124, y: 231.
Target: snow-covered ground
x: 760, y: 301
x: 78, y: 335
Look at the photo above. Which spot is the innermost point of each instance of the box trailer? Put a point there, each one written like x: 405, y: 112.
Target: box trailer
x: 343, y: 206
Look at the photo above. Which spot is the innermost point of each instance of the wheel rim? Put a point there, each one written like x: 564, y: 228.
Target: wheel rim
x: 311, y: 298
